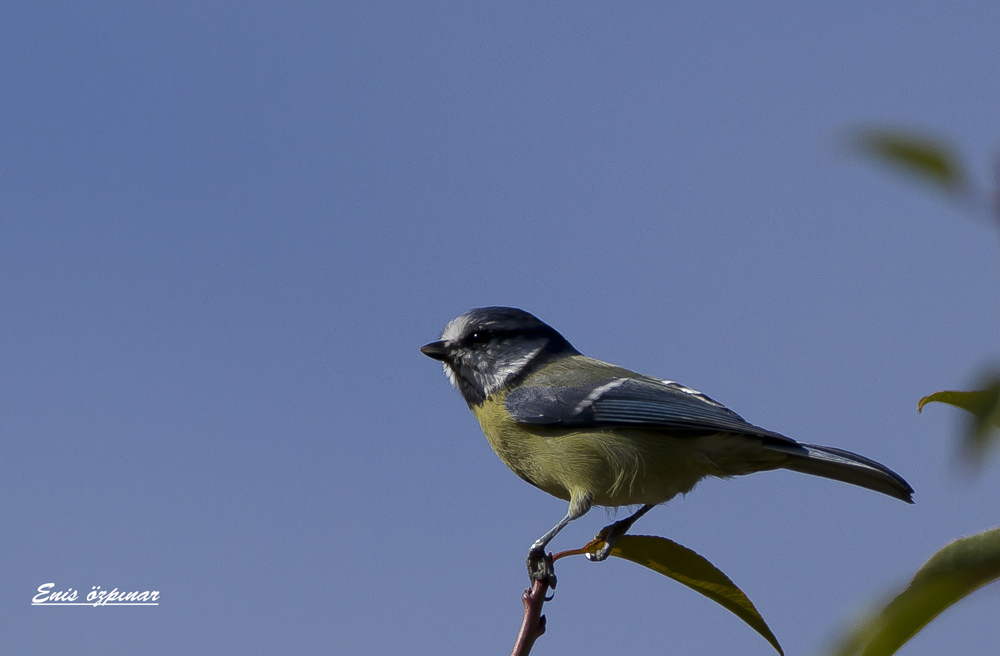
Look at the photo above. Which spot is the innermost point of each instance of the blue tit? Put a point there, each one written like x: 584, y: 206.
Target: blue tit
x: 593, y: 433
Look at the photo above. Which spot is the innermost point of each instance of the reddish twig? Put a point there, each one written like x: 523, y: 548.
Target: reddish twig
x: 533, y: 623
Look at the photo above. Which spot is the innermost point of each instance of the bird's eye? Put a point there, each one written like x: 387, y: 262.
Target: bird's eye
x: 478, y: 337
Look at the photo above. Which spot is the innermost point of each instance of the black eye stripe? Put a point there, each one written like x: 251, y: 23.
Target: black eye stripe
x: 484, y: 335
x: 480, y: 337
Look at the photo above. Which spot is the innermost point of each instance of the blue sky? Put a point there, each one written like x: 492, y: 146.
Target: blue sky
x: 227, y: 228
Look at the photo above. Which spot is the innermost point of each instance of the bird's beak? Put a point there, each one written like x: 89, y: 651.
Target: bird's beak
x: 437, y: 350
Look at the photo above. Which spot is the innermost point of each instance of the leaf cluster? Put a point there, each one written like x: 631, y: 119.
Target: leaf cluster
x: 968, y: 563
x: 951, y: 574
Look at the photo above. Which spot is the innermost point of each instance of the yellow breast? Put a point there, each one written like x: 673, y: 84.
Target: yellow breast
x: 613, y: 467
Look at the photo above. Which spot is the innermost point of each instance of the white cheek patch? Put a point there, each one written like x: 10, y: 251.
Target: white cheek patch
x: 507, y: 370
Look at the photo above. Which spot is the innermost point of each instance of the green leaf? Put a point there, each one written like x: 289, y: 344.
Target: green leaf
x: 687, y: 567
x: 915, y: 154
x: 955, y: 571
x: 984, y: 405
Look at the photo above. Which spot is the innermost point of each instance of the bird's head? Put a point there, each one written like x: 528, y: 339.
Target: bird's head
x: 489, y: 348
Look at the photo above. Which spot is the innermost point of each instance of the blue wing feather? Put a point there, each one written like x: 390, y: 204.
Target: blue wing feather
x: 667, y: 407
x: 628, y: 402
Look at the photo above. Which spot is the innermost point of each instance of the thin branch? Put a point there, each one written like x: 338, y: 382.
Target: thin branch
x: 533, y: 623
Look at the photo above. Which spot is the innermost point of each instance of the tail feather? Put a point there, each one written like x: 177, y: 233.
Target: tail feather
x: 848, y: 467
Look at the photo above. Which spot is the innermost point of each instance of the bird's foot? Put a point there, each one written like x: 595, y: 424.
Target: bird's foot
x: 540, y: 567
x: 609, y: 534
x: 602, y: 553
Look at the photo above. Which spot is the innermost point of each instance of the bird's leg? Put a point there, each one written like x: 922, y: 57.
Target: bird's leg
x: 612, y: 532
x: 540, y: 563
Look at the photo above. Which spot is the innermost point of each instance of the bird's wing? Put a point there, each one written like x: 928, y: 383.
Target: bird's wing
x: 628, y: 402
x: 670, y: 408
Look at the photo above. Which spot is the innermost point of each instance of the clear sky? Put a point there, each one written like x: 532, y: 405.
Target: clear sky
x: 227, y: 228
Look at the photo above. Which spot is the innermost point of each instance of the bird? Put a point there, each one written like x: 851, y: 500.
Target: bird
x: 596, y: 434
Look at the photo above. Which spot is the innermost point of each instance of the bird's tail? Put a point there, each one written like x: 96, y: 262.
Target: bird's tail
x: 841, y: 465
